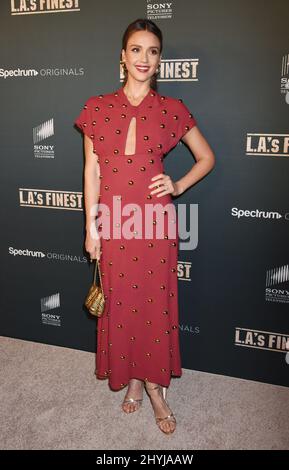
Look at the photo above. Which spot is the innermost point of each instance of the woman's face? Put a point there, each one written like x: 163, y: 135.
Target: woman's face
x: 142, y: 55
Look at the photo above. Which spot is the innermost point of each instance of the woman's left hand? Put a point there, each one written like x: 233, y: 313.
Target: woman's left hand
x: 164, y: 185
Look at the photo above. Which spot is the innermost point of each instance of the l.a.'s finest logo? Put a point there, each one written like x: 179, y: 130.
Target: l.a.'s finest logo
x: 178, y: 70
x: 28, y: 7
x: 175, y: 70
x: 51, y: 199
x: 267, y: 145
x: 184, y: 270
x: 278, y: 342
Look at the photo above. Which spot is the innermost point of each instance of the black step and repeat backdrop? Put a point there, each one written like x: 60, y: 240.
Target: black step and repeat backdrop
x: 228, y: 60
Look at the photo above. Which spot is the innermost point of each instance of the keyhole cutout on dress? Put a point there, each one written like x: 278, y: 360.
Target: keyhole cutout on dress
x: 130, y: 143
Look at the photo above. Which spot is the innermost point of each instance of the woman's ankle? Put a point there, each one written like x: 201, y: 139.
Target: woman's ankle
x: 135, y: 382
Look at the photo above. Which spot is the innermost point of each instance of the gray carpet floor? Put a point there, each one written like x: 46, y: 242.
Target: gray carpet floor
x: 51, y: 399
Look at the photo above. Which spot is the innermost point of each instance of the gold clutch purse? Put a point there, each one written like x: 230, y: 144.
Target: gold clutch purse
x: 94, y: 300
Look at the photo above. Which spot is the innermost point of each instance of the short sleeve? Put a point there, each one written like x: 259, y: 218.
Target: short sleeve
x: 85, y: 120
x: 186, y: 120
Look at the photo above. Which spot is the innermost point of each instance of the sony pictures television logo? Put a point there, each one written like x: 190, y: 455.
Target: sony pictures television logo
x: 159, y: 10
x: 50, y: 310
x: 277, y: 284
x: 31, y: 7
x: 40, y: 134
x: 285, y: 77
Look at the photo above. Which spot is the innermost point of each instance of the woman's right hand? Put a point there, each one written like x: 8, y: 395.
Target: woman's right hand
x: 93, y: 247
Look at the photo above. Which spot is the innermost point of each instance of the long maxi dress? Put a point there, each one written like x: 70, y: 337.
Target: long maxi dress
x: 138, y: 334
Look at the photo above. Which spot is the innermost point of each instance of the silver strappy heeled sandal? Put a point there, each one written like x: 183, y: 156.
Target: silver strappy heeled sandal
x: 132, y: 401
x: 171, y: 416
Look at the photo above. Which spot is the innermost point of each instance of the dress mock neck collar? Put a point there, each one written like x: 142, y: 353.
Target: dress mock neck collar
x: 147, y: 100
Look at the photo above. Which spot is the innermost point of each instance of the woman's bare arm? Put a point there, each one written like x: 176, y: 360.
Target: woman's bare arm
x: 204, y: 156
x: 91, y: 197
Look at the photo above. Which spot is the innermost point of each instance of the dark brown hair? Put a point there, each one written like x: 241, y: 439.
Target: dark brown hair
x: 141, y: 24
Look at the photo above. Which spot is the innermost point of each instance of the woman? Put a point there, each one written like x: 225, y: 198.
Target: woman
x: 126, y: 135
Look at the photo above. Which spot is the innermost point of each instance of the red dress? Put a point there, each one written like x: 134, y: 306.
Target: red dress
x: 138, y: 334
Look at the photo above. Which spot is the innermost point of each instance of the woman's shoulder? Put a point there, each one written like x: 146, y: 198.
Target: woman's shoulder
x: 175, y: 103
x: 99, y: 97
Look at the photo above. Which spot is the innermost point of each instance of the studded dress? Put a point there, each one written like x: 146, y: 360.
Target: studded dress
x: 138, y: 334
